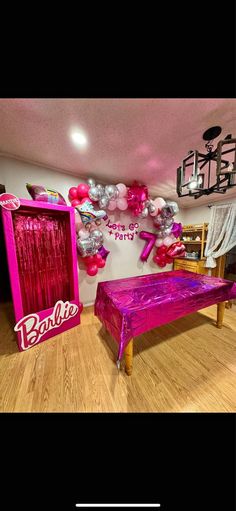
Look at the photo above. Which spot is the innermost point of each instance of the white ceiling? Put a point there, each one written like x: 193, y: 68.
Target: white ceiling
x: 143, y: 139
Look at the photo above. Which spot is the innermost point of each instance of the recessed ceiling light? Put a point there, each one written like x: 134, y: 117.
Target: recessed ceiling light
x: 79, y: 139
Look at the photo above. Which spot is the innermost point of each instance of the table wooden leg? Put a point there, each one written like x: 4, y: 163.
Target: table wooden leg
x: 220, y: 314
x: 129, y: 357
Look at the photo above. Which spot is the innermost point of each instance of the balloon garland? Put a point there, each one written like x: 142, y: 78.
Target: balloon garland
x: 135, y: 198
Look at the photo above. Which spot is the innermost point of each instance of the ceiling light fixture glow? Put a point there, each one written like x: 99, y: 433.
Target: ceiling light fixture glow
x: 79, y: 139
x: 192, y: 184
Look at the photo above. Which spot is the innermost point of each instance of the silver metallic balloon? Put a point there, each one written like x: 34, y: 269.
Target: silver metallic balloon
x: 158, y: 221
x: 169, y: 221
x: 86, y: 247
x: 97, y: 235
x: 91, y: 182
x: 166, y: 231
x: 100, y: 191
x: 93, y: 193
x: 103, y: 202
x: 171, y: 208
x: 162, y: 227
x: 144, y: 213
x: 151, y: 208
x: 98, y: 244
x: 111, y: 191
x: 174, y: 206
x: 147, y: 203
x: 116, y: 193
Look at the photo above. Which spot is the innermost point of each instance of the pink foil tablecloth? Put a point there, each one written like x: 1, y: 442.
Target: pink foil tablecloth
x: 129, y: 307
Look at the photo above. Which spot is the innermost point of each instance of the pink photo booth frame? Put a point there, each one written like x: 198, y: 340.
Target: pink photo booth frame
x: 35, y: 327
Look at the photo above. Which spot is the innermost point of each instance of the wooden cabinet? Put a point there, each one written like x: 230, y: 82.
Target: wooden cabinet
x: 197, y: 265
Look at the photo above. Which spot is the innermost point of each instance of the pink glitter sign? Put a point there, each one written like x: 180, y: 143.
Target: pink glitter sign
x: 118, y: 230
x: 31, y: 329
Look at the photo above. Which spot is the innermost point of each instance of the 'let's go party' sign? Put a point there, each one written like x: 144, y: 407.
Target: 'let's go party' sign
x: 119, y: 231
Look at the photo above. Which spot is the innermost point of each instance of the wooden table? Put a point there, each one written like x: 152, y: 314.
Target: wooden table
x: 129, y: 348
x: 129, y: 307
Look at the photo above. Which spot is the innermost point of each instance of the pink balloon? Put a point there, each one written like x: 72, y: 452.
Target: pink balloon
x: 73, y: 193
x: 122, y: 190
x: 112, y: 205
x: 159, y: 203
x: 75, y: 203
x: 85, y: 199
x: 169, y: 240
x: 82, y: 190
x: 101, y: 263
x: 160, y: 261
x: 122, y: 204
x: 92, y: 270
x: 150, y: 237
x: 159, y: 242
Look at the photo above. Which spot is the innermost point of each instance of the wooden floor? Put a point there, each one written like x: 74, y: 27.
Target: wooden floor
x: 186, y: 366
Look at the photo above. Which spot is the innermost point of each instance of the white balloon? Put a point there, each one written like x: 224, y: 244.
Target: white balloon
x: 159, y: 242
x: 159, y: 202
x: 168, y: 241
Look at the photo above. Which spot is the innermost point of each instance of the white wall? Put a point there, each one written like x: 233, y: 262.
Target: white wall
x: 202, y: 213
x: 124, y: 258
x: 14, y: 174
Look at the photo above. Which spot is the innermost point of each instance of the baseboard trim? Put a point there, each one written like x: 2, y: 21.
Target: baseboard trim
x: 88, y: 304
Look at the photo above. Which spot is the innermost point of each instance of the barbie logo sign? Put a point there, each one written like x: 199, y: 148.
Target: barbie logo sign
x: 32, y: 329
x: 9, y: 201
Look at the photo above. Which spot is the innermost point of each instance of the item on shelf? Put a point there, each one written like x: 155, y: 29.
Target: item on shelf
x: 40, y: 193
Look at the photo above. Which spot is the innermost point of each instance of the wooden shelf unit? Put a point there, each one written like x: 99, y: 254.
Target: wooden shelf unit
x: 194, y: 230
x: 198, y: 265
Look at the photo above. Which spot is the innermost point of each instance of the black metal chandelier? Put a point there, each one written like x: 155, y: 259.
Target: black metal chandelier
x: 198, y: 181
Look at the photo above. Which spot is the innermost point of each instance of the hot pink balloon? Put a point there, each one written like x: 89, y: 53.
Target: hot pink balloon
x: 159, y: 203
x: 85, y: 199
x: 160, y: 261
x: 73, y: 193
x: 97, y: 258
x: 92, y: 270
x: 82, y: 190
x: 75, y: 203
x: 150, y: 238
x: 122, y: 204
x: 101, y: 263
x: 112, y: 205
x: 122, y: 190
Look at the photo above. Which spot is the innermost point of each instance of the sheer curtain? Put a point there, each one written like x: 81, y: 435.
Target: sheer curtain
x: 221, y: 233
